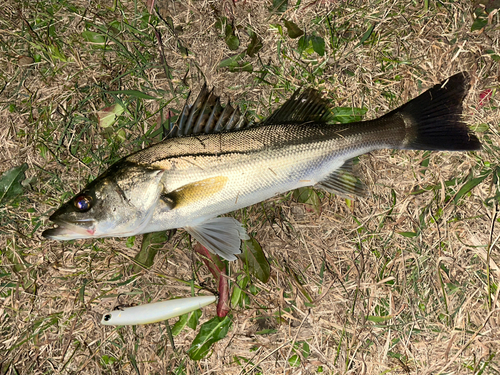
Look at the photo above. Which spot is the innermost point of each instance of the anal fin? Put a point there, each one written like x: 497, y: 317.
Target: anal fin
x: 220, y: 235
x: 343, y: 182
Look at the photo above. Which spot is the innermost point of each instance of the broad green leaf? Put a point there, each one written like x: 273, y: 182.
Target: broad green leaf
x: 279, y: 6
x: 10, y: 183
x: 468, y: 186
x: 294, y: 360
x: 293, y: 30
x: 308, y: 196
x: 254, y: 46
x: 345, y: 115
x: 232, y: 61
x: 306, y: 351
x: 219, y: 24
x: 151, y: 243
x: 94, y: 37
x: 303, y: 43
x: 233, y: 42
x: 210, y: 332
x: 134, y: 93
x: 480, y: 128
x: 179, y: 325
x: 194, y: 318
x: 253, y: 256
x: 479, y: 23
x: 318, y: 45
x: 121, y: 135
x: 107, y: 116
x: 238, y: 287
x: 481, y: 19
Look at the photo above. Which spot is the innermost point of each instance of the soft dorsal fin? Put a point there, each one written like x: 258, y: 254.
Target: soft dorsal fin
x: 206, y: 116
x: 307, y: 106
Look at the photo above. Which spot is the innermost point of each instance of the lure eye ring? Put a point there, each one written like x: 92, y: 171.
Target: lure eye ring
x: 107, y: 317
x: 83, y: 203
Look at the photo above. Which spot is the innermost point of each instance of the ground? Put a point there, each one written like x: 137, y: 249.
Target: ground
x: 402, y: 281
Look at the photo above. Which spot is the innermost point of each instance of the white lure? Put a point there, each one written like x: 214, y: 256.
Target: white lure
x: 155, y: 312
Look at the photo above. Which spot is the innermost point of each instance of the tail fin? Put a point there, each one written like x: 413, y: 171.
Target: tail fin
x: 433, y: 120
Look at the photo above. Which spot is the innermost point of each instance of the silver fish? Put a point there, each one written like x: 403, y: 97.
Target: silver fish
x: 214, y: 162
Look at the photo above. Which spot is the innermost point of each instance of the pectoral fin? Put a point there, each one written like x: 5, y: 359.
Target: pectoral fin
x: 343, y: 182
x: 220, y: 235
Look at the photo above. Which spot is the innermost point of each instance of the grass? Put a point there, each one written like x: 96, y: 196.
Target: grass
x: 403, y: 281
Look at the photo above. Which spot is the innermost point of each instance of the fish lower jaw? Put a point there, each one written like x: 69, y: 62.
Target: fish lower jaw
x: 69, y: 231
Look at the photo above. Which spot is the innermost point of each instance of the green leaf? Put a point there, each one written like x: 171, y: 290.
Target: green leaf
x: 308, y: 196
x: 293, y: 30
x: 481, y: 20
x: 151, y: 243
x: 232, y: 61
x: 254, y: 46
x: 318, y: 45
x: 408, y: 234
x: 241, y: 283
x: 94, y: 37
x: 367, y: 34
x: 468, y: 186
x: 107, y: 116
x: 294, y: 360
x: 379, y: 319
x: 179, y: 325
x: 480, y: 128
x: 479, y: 23
x: 233, y: 42
x: 303, y: 43
x: 134, y: 93
x: 219, y: 24
x: 279, y: 6
x: 253, y: 256
x: 345, y: 115
x: 194, y: 318
x: 10, y: 183
x: 210, y: 332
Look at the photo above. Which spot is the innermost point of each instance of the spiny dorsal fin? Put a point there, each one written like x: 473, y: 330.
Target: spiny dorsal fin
x: 307, y: 106
x: 206, y: 116
x: 343, y: 182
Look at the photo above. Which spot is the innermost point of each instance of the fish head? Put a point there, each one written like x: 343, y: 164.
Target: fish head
x: 118, y: 203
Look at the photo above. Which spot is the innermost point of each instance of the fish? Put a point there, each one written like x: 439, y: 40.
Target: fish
x: 214, y: 161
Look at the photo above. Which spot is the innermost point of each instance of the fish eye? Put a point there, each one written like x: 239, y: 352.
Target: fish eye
x: 83, y: 203
x: 107, y: 317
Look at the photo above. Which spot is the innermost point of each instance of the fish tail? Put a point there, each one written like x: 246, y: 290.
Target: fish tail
x: 433, y: 120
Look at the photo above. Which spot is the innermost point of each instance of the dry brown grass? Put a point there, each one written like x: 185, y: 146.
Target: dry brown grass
x: 382, y: 302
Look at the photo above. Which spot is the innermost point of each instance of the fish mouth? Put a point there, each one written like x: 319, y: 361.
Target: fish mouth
x: 66, y: 230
